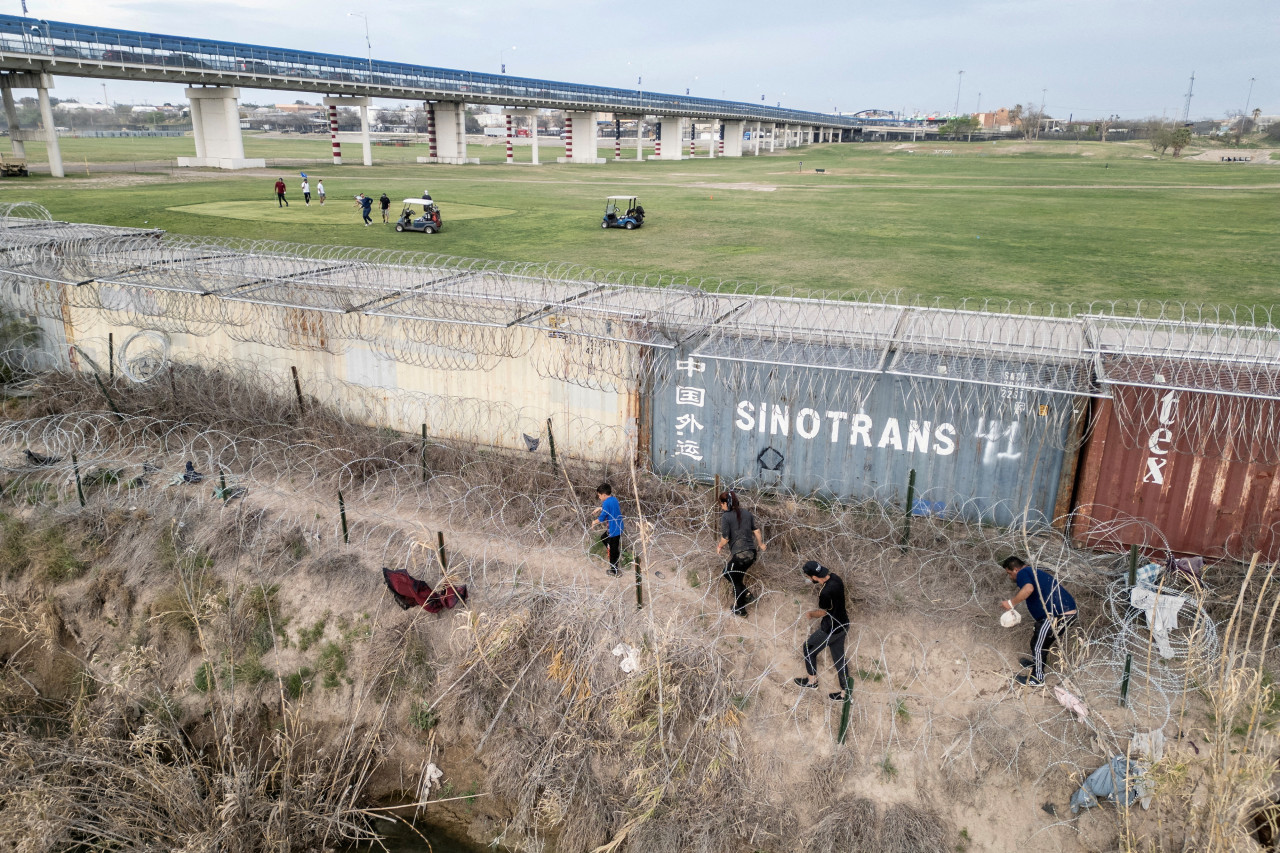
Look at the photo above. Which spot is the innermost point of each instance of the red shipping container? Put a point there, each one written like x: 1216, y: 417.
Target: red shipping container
x: 1199, y: 467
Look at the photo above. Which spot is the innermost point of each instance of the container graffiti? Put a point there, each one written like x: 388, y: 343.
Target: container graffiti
x: 1201, y: 500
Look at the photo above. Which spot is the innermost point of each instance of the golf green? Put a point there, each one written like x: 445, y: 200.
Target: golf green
x: 334, y: 212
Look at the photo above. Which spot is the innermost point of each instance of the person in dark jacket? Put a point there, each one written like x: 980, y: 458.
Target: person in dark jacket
x: 365, y: 203
x: 1050, y: 605
x: 739, y: 531
x: 385, y: 204
x: 831, y: 631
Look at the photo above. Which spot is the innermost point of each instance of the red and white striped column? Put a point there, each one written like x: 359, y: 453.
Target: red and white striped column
x: 720, y: 144
x: 333, y: 134
x: 431, y: 131
x: 568, y: 137
x: 511, y: 154
x: 617, y: 138
x: 693, y: 135
x: 657, y: 137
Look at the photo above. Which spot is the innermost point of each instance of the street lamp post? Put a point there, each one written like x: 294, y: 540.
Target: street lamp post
x: 368, y: 45
x: 1248, y: 98
x: 959, y: 83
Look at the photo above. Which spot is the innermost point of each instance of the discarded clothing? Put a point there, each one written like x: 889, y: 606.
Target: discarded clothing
x: 630, y: 657
x: 1148, y: 576
x: 191, y: 475
x: 1191, y: 568
x: 40, y: 460
x: 1119, y: 781
x: 408, y: 592
x: 431, y: 776
x: 1071, y: 702
x: 1162, y: 615
x: 1150, y: 745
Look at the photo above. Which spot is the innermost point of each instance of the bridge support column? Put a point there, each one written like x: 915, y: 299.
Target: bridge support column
x: 333, y: 103
x: 670, y: 137
x: 532, y: 116
x: 449, y: 118
x: 582, y: 127
x: 51, y: 130
x: 11, y: 115
x: 693, y: 138
x: 755, y: 139
x: 731, y: 140
x: 773, y: 136
x: 717, y: 139
x: 215, y: 122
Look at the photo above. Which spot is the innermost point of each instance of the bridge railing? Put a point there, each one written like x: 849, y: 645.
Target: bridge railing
x: 67, y: 41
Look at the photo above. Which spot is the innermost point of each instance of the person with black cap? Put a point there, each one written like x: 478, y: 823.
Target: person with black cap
x: 831, y: 630
x: 1050, y: 605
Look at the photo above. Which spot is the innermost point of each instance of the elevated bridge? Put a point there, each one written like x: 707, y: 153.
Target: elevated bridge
x: 34, y: 51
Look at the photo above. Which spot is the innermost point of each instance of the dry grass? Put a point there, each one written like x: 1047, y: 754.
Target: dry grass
x: 581, y: 754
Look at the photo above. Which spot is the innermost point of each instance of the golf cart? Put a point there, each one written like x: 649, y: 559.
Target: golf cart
x: 419, y: 214
x: 622, y: 211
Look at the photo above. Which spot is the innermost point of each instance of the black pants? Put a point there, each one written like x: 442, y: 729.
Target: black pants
x: 1046, y: 633
x: 306, y: 197
x: 281, y: 201
x: 736, y: 571
x: 829, y: 639
x: 612, y: 544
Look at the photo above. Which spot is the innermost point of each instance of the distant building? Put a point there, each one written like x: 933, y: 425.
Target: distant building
x: 998, y: 121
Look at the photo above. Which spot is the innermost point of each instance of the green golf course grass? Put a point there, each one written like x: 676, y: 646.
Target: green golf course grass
x: 1059, y: 222
x: 334, y: 212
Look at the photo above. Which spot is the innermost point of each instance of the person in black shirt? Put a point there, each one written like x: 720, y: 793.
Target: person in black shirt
x: 738, y: 530
x: 831, y: 630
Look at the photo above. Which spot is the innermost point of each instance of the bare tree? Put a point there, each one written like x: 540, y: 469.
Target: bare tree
x: 1031, y: 117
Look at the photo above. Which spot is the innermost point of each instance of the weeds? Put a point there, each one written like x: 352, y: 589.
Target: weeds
x: 307, y: 637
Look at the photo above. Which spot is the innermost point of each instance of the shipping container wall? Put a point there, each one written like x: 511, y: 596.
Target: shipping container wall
x: 980, y: 452
x: 1200, y: 500
x: 498, y: 403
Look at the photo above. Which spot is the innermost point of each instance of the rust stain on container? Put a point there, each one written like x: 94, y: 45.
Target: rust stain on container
x: 1162, y: 484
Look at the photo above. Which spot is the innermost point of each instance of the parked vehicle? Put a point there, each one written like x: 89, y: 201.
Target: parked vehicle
x: 622, y: 211
x: 419, y: 214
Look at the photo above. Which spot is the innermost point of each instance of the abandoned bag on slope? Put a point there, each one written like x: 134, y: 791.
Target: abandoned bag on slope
x: 408, y: 592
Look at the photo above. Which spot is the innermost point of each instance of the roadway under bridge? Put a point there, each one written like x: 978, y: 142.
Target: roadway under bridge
x: 34, y: 51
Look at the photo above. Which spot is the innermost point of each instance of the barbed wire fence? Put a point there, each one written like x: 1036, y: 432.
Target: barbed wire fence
x: 272, y: 459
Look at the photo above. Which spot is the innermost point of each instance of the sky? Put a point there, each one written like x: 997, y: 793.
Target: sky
x: 1081, y: 58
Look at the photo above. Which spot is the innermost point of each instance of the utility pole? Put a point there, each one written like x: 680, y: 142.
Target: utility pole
x: 1248, y: 97
x: 1186, y: 108
x: 959, y: 81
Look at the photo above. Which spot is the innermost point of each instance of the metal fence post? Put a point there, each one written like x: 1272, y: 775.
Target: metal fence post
x: 911, y: 499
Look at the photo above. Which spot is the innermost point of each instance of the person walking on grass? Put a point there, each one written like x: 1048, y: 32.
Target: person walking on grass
x: 611, y: 517
x: 1050, y: 605
x: 385, y: 204
x: 306, y: 191
x: 738, y: 530
x: 365, y: 203
x: 320, y: 190
x: 831, y: 631
x: 281, y: 201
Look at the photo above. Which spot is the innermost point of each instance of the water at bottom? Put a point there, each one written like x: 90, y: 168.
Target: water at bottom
x: 401, y: 839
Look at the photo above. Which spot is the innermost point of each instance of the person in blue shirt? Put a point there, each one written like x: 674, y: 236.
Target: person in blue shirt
x: 611, y: 517
x: 1050, y: 605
